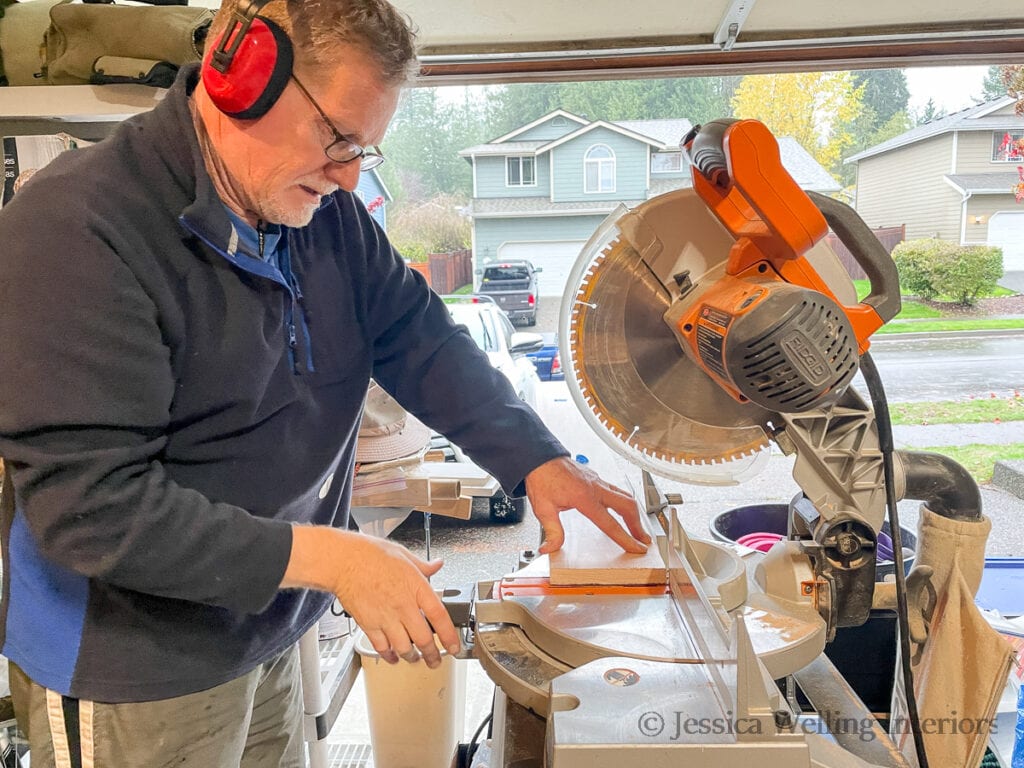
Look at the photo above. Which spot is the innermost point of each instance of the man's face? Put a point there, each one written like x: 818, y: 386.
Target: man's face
x: 278, y: 161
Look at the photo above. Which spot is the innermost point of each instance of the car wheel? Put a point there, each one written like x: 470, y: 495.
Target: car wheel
x: 506, y: 510
x: 531, y: 321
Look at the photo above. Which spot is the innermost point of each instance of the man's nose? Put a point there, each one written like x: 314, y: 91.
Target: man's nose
x: 345, y: 175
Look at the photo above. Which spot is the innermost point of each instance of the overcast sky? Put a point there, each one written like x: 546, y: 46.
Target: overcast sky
x: 951, y: 88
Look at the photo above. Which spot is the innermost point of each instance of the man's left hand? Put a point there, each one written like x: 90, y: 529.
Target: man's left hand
x: 562, y: 484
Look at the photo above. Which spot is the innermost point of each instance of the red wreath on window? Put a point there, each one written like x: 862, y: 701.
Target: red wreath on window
x: 1015, y: 149
x: 374, y: 204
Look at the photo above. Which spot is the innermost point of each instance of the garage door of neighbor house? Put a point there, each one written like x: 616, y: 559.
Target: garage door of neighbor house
x: 1006, y: 229
x: 554, y: 257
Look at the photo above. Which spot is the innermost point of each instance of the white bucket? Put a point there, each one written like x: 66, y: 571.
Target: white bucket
x: 415, y: 712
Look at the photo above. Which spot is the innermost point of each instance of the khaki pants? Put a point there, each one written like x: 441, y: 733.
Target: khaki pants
x: 254, y: 721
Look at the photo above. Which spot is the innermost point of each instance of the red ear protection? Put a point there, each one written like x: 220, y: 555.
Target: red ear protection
x: 245, y: 69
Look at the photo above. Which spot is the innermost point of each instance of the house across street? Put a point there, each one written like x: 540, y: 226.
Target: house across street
x: 542, y: 190
x: 951, y: 178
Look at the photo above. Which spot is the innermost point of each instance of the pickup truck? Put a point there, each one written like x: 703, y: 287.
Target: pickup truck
x: 513, y: 285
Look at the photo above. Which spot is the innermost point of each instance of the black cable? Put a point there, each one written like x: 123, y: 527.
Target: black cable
x: 885, y: 442
x: 474, y: 743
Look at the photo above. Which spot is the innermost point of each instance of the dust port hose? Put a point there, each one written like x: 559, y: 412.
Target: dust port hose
x: 946, y: 487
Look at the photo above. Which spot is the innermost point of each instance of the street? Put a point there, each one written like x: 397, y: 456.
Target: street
x: 921, y: 368
x: 949, y: 367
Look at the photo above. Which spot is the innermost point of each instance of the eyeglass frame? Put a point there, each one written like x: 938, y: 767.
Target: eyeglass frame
x: 369, y: 158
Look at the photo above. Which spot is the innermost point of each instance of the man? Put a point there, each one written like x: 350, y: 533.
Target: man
x: 191, y: 311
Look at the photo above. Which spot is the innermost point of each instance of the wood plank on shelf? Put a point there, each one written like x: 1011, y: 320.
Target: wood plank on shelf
x: 77, y: 103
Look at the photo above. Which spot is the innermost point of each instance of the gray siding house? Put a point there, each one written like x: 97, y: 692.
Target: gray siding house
x: 540, y: 191
x: 951, y: 178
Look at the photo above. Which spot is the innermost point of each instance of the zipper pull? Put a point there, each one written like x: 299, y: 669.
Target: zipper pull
x: 292, y: 338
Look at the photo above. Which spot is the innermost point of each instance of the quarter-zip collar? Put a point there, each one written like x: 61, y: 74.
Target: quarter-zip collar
x: 208, y: 218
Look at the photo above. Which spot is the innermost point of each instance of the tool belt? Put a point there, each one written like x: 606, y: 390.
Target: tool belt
x: 100, y: 44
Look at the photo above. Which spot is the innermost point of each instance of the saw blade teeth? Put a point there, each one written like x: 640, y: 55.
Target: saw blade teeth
x: 600, y: 282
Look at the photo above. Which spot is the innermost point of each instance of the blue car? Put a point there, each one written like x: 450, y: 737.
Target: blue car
x: 547, y: 360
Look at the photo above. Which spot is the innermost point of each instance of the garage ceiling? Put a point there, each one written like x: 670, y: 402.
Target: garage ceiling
x: 480, y: 40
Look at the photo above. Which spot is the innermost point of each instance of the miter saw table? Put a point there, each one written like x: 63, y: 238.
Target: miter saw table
x: 699, y: 329
x: 674, y: 674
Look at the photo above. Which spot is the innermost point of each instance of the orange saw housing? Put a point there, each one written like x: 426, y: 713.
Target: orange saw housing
x: 800, y: 345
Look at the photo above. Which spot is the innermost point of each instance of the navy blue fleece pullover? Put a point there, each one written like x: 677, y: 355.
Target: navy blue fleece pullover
x: 169, y: 406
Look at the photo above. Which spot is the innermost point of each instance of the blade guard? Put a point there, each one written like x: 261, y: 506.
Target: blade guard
x: 738, y: 172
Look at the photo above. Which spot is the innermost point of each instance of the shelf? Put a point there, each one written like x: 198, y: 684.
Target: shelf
x: 77, y: 103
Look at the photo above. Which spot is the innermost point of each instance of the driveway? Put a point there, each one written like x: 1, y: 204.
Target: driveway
x: 1014, y: 281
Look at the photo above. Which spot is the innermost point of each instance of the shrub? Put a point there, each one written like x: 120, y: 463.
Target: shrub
x: 437, y: 225
x: 930, y: 268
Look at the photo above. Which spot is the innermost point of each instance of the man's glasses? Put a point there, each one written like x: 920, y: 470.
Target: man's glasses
x: 342, y: 150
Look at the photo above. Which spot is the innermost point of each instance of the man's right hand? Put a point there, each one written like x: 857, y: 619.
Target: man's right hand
x: 380, y: 584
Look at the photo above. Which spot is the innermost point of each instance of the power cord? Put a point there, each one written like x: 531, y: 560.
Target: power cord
x: 885, y: 441
x: 474, y: 743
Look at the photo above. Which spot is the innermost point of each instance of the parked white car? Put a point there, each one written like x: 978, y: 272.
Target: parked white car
x: 507, y: 350
x: 506, y: 347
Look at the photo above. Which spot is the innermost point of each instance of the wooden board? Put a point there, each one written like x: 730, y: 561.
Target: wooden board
x: 590, y: 557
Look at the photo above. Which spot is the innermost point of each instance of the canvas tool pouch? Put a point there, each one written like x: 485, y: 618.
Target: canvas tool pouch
x: 122, y: 44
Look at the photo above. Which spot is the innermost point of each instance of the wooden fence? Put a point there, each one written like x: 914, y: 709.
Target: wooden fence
x: 890, y: 237
x: 450, y: 271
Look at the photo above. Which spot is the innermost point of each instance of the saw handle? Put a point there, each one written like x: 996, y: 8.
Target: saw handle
x: 706, y: 146
x: 868, y: 252
x: 737, y: 170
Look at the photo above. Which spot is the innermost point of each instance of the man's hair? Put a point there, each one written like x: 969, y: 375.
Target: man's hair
x: 317, y: 28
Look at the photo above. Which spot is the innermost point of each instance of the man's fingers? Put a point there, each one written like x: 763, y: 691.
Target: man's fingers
x: 625, y: 506
x: 554, y: 534
x: 599, y: 516
x: 381, y: 645
x: 436, y: 614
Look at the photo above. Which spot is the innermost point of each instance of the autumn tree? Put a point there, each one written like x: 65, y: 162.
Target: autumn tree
x: 815, y: 108
x: 1005, y: 80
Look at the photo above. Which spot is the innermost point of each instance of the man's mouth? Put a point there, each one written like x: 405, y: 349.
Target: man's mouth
x: 311, y: 191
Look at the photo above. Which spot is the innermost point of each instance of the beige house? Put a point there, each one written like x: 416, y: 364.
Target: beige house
x: 951, y: 178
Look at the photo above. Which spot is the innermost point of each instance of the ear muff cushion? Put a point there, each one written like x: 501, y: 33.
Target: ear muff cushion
x: 257, y: 75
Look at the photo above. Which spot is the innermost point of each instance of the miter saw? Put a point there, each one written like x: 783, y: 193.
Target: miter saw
x: 698, y: 329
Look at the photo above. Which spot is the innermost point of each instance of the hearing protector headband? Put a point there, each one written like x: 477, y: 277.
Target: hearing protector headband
x: 246, y: 69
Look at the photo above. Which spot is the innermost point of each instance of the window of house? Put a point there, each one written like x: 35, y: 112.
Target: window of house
x: 599, y: 169
x: 666, y: 162
x: 519, y: 172
x: 1007, y: 147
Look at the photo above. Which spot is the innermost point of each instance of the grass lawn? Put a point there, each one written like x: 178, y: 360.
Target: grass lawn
x: 966, y: 324
x: 977, y: 411
x: 979, y: 460
x: 924, y: 318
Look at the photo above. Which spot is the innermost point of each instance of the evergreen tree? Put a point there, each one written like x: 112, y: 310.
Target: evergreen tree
x: 424, y: 139
x: 993, y: 87
x: 928, y: 113
x: 883, y: 116
x: 885, y: 92
x: 698, y: 99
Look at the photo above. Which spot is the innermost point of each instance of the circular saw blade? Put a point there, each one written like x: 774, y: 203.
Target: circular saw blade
x: 630, y: 377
